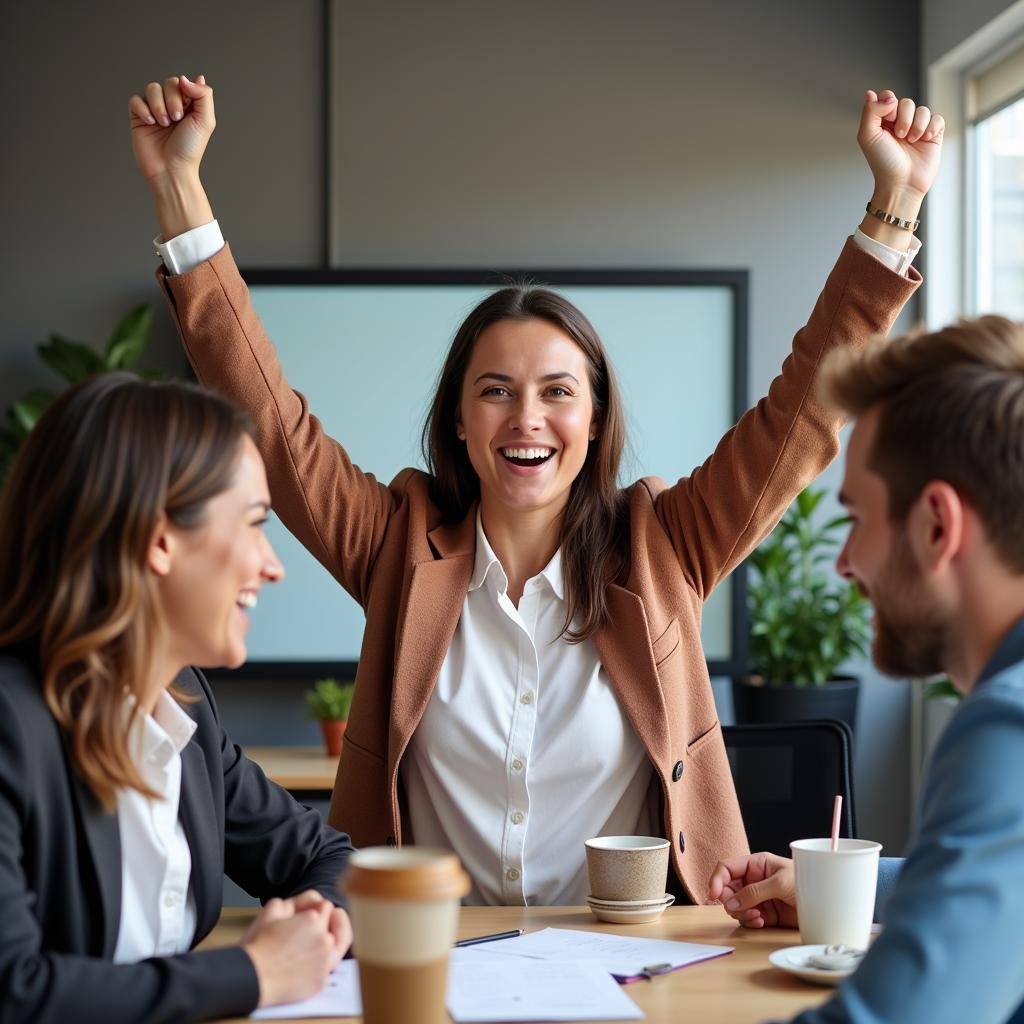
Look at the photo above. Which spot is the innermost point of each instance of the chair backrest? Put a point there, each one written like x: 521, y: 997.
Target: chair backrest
x: 787, y: 777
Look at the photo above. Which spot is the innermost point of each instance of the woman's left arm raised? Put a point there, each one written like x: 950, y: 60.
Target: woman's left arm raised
x: 722, y: 511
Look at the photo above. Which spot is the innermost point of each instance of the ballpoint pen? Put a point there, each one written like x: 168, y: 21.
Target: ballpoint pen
x: 514, y: 934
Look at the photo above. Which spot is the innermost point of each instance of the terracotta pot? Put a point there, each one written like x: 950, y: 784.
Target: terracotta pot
x: 334, y: 735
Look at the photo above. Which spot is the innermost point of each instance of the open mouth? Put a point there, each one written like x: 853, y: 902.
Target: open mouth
x: 527, y: 456
x: 247, y: 599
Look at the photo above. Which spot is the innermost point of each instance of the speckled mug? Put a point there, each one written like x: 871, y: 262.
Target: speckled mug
x: 627, y: 867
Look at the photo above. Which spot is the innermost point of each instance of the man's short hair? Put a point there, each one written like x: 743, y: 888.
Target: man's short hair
x: 952, y: 409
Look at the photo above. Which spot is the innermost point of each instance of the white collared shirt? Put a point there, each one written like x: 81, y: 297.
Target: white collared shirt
x: 523, y: 751
x: 158, y: 911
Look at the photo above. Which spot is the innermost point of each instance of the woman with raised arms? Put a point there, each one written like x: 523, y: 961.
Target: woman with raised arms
x: 531, y: 672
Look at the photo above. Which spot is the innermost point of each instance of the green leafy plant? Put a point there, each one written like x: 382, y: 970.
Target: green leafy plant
x: 941, y: 688
x: 74, y: 361
x: 804, y: 622
x: 330, y: 700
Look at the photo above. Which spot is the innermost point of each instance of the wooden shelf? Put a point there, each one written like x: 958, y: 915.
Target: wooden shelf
x: 296, y: 768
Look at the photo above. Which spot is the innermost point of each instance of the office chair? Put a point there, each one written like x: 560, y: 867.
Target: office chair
x: 787, y: 776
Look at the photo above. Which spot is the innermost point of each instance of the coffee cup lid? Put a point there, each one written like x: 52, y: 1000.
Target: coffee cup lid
x: 405, y: 873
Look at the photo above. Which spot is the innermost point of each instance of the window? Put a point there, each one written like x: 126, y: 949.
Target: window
x: 995, y: 104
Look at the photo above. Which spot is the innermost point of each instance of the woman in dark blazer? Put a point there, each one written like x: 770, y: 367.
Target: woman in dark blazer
x: 130, y: 545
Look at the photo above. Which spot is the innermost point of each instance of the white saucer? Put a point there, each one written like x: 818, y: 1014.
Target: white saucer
x: 795, y: 960
x: 658, y: 901
x: 633, y: 915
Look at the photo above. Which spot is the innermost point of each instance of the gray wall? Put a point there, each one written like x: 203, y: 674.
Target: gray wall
x: 654, y: 133
x: 945, y: 24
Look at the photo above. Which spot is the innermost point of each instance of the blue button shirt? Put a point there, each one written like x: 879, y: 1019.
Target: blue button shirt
x: 953, y: 945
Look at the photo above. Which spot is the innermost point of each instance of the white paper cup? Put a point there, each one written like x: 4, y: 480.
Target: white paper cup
x: 835, y: 890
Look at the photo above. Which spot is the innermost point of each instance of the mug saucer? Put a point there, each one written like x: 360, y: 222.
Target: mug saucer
x: 796, y: 960
x: 665, y: 898
x: 623, y: 913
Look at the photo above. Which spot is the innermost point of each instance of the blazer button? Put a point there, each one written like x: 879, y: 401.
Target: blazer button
x: 682, y: 843
x: 677, y: 772
x: 390, y: 841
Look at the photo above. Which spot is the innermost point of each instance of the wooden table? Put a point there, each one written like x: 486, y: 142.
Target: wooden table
x: 741, y: 988
x: 298, y: 769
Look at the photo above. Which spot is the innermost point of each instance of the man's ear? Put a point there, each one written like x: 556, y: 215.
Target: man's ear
x: 937, y: 525
x: 161, y: 548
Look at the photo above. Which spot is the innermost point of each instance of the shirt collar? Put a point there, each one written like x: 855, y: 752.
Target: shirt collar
x: 1009, y: 652
x: 156, y: 738
x: 486, y: 561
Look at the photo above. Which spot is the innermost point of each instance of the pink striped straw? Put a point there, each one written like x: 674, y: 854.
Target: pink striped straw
x: 837, y: 809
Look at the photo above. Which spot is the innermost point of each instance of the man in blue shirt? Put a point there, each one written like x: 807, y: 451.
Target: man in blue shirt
x: 934, y: 486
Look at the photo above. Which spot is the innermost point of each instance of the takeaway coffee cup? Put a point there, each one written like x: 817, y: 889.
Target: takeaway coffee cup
x: 405, y: 907
x: 835, y: 890
x: 627, y: 867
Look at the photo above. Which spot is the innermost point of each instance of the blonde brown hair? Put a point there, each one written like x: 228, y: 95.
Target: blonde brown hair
x: 951, y: 408
x: 78, y: 514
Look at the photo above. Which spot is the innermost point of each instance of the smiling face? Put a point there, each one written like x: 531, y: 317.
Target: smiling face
x: 911, y: 627
x: 209, y: 575
x: 526, y: 415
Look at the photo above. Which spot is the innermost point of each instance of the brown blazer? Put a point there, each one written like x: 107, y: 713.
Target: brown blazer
x: 385, y: 545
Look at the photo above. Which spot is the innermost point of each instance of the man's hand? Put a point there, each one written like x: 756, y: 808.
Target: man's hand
x: 758, y: 890
x: 294, y: 945
x: 170, y: 129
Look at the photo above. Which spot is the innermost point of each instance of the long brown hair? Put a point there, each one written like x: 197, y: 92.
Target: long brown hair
x: 952, y: 409
x: 593, y: 526
x: 78, y: 515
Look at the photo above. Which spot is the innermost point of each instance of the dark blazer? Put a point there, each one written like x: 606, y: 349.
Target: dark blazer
x: 60, y: 870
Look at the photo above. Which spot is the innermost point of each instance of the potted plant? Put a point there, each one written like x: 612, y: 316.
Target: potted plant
x: 74, y: 361
x: 329, y: 702
x: 804, y: 623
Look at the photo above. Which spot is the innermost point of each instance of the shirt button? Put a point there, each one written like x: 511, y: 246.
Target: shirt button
x: 171, y: 899
x: 512, y: 875
x: 527, y: 698
x: 517, y: 765
x: 517, y: 817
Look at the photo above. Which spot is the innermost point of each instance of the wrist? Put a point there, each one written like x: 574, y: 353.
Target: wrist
x: 267, y: 996
x: 901, y: 203
x: 180, y: 201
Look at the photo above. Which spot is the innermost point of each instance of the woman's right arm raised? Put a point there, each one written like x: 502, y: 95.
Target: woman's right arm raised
x: 171, y: 127
x: 336, y: 511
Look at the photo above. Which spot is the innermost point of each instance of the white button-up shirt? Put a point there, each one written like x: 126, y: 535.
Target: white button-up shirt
x: 523, y: 751
x: 158, y: 912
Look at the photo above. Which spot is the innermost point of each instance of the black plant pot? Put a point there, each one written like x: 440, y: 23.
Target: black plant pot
x: 754, y: 702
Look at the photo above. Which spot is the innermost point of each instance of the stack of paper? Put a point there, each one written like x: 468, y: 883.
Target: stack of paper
x: 556, y: 974
x: 623, y: 957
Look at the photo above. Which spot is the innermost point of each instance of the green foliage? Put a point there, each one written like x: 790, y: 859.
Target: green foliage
x: 941, y: 688
x: 330, y: 700
x: 74, y: 361
x: 804, y: 623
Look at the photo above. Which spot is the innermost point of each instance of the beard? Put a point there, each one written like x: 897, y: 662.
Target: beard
x: 911, y: 630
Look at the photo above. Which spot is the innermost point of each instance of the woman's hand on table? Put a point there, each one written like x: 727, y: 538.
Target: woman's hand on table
x: 758, y: 890
x: 294, y: 945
